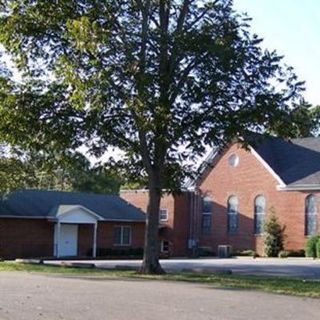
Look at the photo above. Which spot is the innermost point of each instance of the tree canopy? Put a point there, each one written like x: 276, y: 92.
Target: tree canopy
x: 159, y: 80
x: 68, y: 172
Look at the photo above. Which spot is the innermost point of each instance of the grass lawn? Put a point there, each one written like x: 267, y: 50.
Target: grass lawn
x: 280, y: 285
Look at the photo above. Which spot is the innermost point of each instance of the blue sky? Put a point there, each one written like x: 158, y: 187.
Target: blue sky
x: 292, y: 27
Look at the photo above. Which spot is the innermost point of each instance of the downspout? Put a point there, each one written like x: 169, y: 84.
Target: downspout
x: 191, y: 227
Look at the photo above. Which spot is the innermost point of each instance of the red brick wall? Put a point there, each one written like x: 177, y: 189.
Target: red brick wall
x: 176, y: 229
x: 24, y: 238
x: 105, y: 234
x: 85, y: 239
x: 249, y: 179
x: 27, y: 238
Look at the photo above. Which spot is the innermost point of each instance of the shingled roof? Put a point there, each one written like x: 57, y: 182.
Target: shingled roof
x: 296, y: 161
x: 42, y: 203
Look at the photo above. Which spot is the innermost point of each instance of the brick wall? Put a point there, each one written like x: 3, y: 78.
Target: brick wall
x: 176, y: 229
x: 246, y: 181
x: 26, y: 238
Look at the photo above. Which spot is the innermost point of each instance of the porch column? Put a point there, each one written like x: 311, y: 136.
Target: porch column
x: 58, y: 238
x: 94, y: 248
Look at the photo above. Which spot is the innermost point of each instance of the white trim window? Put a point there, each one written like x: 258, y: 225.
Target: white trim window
x: 233, y: 214
x: 311, y: 215
x: 259, y: 213
x: 122, y: 235
x: 163, y: 215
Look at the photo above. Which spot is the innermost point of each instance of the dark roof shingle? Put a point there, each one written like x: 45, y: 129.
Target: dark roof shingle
x: 296, y: 162
x: 41, y: 203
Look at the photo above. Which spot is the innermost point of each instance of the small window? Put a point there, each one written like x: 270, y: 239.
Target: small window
x: 122, y: 236
x: 163, y: 215
x: 232, y: 214
x: 311, y: 215
x: 206, y: 204
x: 259, y: 213
x: 206, y: 223
x: 233, y: 160
x: 164, y: 246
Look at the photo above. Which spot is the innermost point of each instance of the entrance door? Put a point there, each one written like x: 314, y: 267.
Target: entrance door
x: 68, y: 244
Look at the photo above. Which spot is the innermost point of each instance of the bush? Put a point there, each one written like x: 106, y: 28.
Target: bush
x: 273, y: 236
x: 283, y: 254
x: 246, y: 253
x: 111, y: 252
x: 291, y: 253
x: 311, y: 246
x: 205, y: 252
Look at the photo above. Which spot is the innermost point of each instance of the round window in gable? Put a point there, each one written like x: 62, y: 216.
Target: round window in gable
x: 233, y: 160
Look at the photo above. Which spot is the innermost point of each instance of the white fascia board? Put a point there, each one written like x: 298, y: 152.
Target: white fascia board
x: 306, y: 187
x: 267, y: 167
x: 90, y: 212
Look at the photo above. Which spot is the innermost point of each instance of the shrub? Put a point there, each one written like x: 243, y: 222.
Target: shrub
x: 117, y: 252
x: 284, y: 254
x: 273, y: 236
x: 311, y: 246
x: 291, y: 253
x: 318, y: 248
x: 246, y: 253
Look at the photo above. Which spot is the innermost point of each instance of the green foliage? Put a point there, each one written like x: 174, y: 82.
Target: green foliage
x: 291, y: 253
x: 273, y: 236
x: 107, y: 252
x: 69, y: 172
x: 311, y: 246
x: 246, y: 253
x: 318, y: 248
x: 132, y: 75
x: 305, y: 120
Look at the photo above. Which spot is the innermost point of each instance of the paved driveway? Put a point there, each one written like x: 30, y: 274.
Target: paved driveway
x: 298, y: 267
x: 26, y: 296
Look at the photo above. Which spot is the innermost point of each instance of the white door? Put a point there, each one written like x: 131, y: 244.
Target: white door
x: 68, y: 244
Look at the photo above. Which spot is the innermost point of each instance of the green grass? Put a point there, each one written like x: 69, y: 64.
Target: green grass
x: 280, y: 285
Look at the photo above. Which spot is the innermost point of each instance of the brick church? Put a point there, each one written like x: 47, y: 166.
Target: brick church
x: 236, y: 190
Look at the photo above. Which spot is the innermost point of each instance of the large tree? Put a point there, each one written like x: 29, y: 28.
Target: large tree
x: 157, y: 79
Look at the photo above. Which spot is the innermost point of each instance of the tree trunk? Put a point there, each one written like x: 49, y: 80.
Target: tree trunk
x: 151, y: 263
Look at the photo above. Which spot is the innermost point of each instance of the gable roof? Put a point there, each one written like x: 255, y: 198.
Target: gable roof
x: 45, y: 204
x: 296, y: 162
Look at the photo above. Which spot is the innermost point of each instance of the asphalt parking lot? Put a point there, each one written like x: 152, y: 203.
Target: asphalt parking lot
x: 27, y: 296
x: 294, y: 267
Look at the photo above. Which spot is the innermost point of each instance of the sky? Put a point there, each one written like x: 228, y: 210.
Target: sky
x: 292, y: 28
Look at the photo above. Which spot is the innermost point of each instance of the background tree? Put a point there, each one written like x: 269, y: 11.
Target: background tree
x: 159, y: 80
x: 65, y: 172
x: 304, y: 118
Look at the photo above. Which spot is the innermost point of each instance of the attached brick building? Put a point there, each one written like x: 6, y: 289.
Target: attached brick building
x: 237, y: 189
x: 36, y: 223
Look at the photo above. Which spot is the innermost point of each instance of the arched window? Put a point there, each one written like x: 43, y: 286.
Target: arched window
x: 206, y: 215
x: 206, y: 204
x: 232, y: 214
x: 310, y: 215
x: 259, y: 213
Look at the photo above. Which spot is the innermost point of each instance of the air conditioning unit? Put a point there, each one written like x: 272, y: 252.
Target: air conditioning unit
x: 224, y: 251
